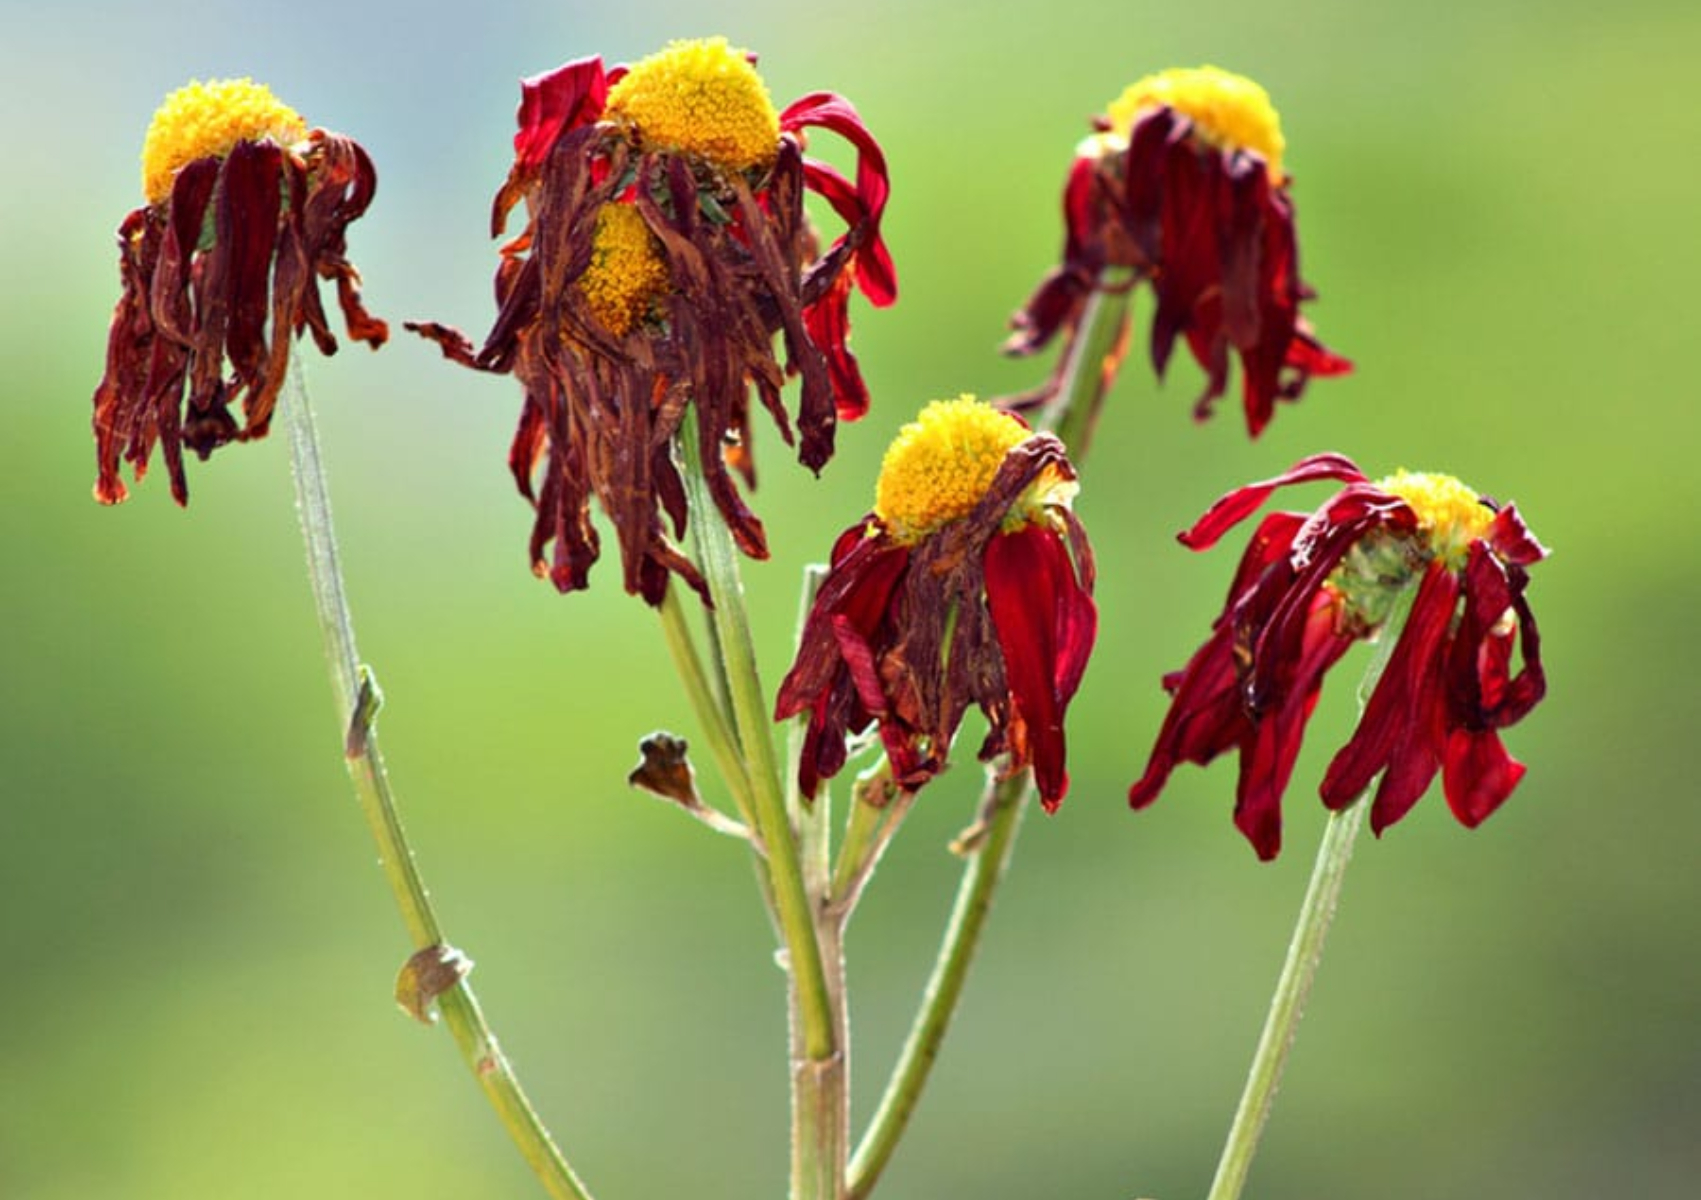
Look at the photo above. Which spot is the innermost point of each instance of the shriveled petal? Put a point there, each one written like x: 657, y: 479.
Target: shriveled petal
x: 859, y: 588
x: 1058, y: 299
x: 1241, y: 503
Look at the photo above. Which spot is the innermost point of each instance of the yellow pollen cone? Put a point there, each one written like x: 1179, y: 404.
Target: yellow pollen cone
x: 1227, y: 110
x: 701, y: 97
x: 1451, y: 515
x: 208, y: 119
x: 627, y: 271
x: 941, y: 464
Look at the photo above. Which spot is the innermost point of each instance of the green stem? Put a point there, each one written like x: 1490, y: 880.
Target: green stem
x: 868, y: 831
x: 356, y: 704
x: 1005, y: 803
x: 710, y: 712
x: 816, y: 995
x: 1305, y: 954
x: 1094, y: 354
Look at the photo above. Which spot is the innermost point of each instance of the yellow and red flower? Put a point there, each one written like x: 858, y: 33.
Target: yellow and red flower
x: 1182, y: 185
x: 666, y: 248
x: 1307, y: 588
x: 970, y: 582
x: 245, y: 207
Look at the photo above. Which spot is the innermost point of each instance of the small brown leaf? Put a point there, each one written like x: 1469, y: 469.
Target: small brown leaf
x: 665, y: 770
x: 427, y: 975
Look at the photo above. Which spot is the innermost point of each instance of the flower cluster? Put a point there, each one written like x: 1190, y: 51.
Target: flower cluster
x: 245, y: 208
x: 666, y: 249
x: 1307, y: 588
x: 665, y: 262
x: 1182, y: 185
x: 970, y: 582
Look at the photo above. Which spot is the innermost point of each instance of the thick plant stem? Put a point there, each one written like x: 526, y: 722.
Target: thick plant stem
x: 821, y: 1090
x: 816, y: 1025
x: 1002, y: 814
x: 357, y: 703
x: 1305, y: 955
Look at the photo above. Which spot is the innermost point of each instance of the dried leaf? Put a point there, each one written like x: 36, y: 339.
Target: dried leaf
x: 665, y: 770
x: 427, y: 975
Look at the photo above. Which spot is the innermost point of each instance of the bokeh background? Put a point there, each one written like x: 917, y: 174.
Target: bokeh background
x: 1499, y: 208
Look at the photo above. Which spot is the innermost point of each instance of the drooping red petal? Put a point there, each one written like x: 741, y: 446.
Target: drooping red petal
x: 1241, y: 503
x: 875, y: 274
x: 1477, y: 774
x: 1391, y: 711
x: 1481, y: 691
x: 1267, y: 762
x: 1045, y: 624
x: 1057, y: 300
x: 1205, y: 715
x: 828, y: 324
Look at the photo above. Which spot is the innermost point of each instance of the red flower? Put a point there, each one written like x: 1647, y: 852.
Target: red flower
x: 666, y: 247
x: 1307, y: 588
x: 970, y: 582
x: 1183, y: 186
x: 245, y: 207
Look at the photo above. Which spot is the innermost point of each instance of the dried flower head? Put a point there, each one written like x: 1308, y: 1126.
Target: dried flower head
x: 1182, y: 185
x: 1311, y: 585
x: 665, y: 250
x: 245, y: 207
x: 970, y: 582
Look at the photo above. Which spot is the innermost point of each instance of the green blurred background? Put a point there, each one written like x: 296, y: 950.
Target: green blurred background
x: 1499, y: 208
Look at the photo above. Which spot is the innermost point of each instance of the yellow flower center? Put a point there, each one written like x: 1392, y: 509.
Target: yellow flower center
x: 1450, y: 515
x: 1227, y: 110
x: 207, y: 120
x: 627, y: 271
x: 701, y: 97
x: 941, y: 464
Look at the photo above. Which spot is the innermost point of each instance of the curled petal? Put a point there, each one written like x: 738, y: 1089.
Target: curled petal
x: 1512, y: 541
x: 1241, y: 503
x: 875, y: 274
x: 571, y: 95
x: 551, y: 104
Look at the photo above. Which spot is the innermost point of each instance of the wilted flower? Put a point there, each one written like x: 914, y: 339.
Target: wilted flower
x: 666, y: 247
x: 1307, y: 588
x: 970, y: 582
x: 245, y: 206
x: 1182, y: 185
